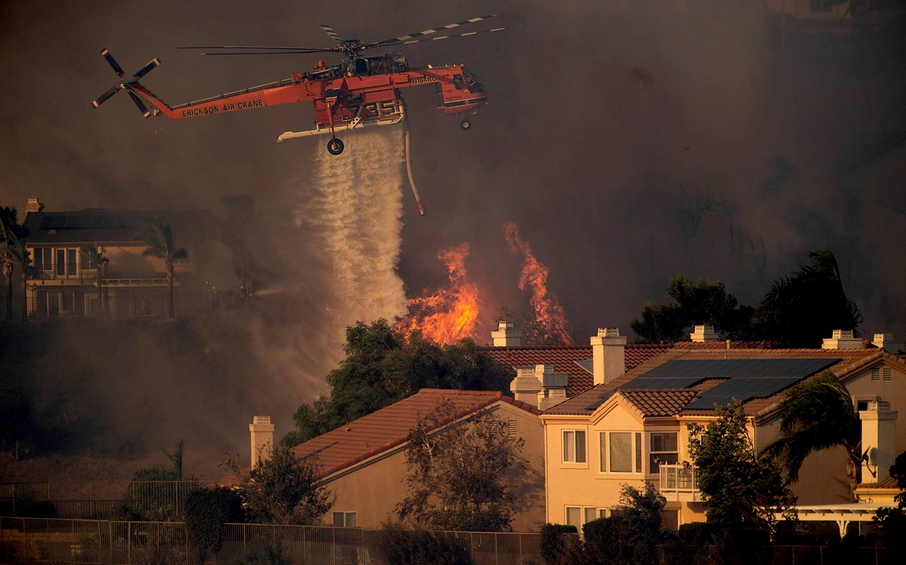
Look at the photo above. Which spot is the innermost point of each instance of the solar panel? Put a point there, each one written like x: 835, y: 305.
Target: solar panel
x: 71, y: 222
x: 664, y: 382
x: 95, y: 222
x: 58, y: 221
x: 84, y: 221
x: 46, y: 222
x: 587, y: 364
x: 709, y: 402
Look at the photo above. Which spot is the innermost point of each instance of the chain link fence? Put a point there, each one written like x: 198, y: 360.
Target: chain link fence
x: 97, y: 500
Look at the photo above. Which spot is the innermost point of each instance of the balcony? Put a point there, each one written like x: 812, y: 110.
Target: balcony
x: 679, y: 483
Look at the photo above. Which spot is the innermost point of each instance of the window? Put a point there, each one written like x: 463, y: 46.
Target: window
x: 580, y: 515
x: 621, y: 452
x: 88, y: 264
x: 344, y: 519
x: 573, y: 446
x: 48, y: 259
x: 61, y: 262
x: 70, y: 261
x: 37, y: 257
x: 661, y: 449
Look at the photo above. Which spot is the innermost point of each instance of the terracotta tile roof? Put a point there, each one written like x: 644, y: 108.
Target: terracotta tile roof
x: 564, y: 358
x: 850, y: 361
x: 666, y: 402
x: 390, y: 426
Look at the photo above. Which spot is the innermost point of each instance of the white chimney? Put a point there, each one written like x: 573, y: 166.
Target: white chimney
x: 527, y: 384
x: 885, y: 342
x: 506, y: 335
x: 879, y: 427
x: 262, y: 439
x: 703, y: 334
x: 33, y: 205
x: 842, y: 339
x: 609, y: 355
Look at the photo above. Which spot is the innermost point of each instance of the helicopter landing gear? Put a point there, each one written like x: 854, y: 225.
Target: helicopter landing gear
x: 335, y: 146
x: 465, y: 125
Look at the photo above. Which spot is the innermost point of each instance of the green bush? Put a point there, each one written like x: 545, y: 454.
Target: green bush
x: 264, y: 554
x: 553, y: 547
x: 404, y: 547
x: 205, y: 513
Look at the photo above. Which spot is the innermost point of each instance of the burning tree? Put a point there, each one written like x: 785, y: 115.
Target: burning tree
x: 548, y: 311
x: 447, y: 315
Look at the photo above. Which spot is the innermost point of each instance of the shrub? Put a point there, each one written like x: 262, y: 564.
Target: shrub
x: 405, y: 547
x: 264, y: 554
x: 553, y: 545
x: 206, y: 511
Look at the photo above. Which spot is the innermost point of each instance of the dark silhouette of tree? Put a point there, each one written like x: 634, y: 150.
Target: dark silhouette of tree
x: 738, y: 485
x: 814, y: 415
x: 704, y: 302
x: 159, y: 238
x: 382, y: 367
x: 462, y: 475
x: 12, y: 251
x: 806, y: 306
x: 96, y: 257
x: 892, y: 520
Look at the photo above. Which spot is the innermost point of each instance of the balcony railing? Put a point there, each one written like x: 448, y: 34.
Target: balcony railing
x: 679, y: 482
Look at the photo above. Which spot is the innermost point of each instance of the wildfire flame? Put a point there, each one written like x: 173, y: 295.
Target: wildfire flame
x: 548, y: 311
x: 447, y: 315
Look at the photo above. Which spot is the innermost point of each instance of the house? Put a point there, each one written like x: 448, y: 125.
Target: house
x: 66, y: 283
x: 632, y: 429
x: 363, y: 464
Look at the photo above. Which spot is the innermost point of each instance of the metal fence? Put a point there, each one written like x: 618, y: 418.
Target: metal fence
x: 97, y: 500
x: 48, y: 540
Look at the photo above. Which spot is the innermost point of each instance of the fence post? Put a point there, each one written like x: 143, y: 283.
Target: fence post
x: 521, y: 557
x: 129, y: 542
x: 14, y: 500
x: 25, y: 536
x: 496, y: 551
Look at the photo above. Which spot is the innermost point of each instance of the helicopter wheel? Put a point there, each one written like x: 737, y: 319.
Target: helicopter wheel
x: 465, y: 125
x: 335, y: 146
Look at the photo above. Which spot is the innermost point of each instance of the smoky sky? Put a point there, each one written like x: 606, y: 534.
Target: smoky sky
x: 628, y: 148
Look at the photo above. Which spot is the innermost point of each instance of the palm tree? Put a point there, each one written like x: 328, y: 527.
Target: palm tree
x: 159, y: 237
x: 95, y: 256
x: 818, y: 414
x: 12, y: 251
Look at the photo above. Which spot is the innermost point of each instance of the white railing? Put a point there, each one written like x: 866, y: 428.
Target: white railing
x: 679, y: 482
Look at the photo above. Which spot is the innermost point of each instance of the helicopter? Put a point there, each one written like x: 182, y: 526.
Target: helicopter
x: 357, y: 93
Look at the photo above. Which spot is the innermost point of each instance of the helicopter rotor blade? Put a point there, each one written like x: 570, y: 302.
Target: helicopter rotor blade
x: 220, y: 53
x: 440, y: 37
x: 146, y: 69
x: 106, y: 96
x: 141, y: 105
x: 116, y: 68
x: 267, y: 47
x: 331, y: 33
x: 403, y: 39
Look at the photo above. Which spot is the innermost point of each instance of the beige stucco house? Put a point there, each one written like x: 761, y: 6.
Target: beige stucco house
x: 632, y: 429
x: 363, y: 464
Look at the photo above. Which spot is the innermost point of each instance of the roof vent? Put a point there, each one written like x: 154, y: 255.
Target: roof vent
x: 506, y: 335
x: 704, y: 333
x: 842, y: 339
x: 885, y: 342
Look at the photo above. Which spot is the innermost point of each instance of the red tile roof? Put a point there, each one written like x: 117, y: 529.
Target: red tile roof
x: 389, y: 427
x: 563, y: 359
x: 851, y: 360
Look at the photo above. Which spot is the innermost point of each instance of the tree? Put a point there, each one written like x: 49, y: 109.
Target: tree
x: 95, y: 256
x: 159, y: 238
x: 892, y: 521
x: 534, y: 333
x: 382, y: 367
x: 206, y: 511
x: 462, y: 475
x: 738, y: 485
x: 807, y: 305
x: 814, y: 415
x: 704, y: 302
x: 632, y: 533
x: 282, y: 489
x: 12, y: 251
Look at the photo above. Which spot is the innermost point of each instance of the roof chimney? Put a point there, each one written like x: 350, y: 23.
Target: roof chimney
x: 527, y: 384
x: 879, y: 426
x: 262, y: 439
x: 842, y: 339
x: 506, y: 335
x: 609, y: 355
x: 885, y: 342
x: 703, y: 334
x: 33, y: 205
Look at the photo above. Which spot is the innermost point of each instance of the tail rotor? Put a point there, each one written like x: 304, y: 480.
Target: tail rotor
x: 126, y: 84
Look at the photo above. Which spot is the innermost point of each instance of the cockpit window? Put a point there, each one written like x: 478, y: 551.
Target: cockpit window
x: 458, y: 82
x: 470, y: 77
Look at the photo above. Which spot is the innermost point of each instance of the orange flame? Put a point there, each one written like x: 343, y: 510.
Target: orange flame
x: 548, y: 311
x: 447, y: 315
